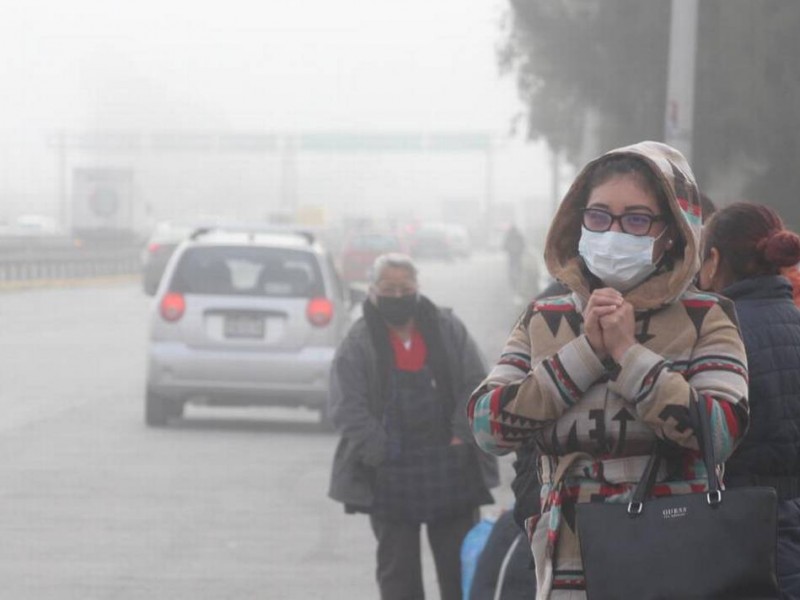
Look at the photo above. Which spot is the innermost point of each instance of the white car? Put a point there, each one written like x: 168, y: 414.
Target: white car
x: 244, y: 318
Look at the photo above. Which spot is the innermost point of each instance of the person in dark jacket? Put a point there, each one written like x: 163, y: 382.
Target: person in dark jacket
x: 514, y: 246
x: 745, y: 246
x: 504, y: 570
x: 399, y: 385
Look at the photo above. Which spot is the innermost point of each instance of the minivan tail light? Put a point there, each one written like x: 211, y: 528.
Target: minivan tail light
x: 319, y: 311
x: 153, y: 247
x: 173, y: 305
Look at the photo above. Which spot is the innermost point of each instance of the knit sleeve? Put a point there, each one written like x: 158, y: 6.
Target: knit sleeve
x: 523, y: 395
x: 714, y: 374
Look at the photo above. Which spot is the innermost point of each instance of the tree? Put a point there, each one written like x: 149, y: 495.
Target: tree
x: 747, y: 102
x: 572, y: 57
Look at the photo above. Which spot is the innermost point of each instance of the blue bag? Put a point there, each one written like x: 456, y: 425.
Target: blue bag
x: 471, y: 549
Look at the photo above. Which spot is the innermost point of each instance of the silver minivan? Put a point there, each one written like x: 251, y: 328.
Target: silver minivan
x: 244, y: 318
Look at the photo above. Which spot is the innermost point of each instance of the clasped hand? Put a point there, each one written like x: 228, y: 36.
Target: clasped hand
x: 609, y: 323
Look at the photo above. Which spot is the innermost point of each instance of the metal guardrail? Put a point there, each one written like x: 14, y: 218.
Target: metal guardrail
x: 67, y: 263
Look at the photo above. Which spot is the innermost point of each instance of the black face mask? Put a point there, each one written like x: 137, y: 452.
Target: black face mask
x: 397, y: 310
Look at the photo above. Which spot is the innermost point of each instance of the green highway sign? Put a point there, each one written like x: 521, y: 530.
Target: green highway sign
x: 254, y: 142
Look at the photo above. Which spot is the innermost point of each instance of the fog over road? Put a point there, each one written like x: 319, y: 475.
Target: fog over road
x: 225, y: 504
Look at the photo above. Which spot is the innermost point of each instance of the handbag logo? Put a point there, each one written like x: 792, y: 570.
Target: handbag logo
x: 674, y: 513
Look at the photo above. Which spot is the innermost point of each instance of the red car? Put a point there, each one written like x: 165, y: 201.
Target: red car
x: 361, y: 250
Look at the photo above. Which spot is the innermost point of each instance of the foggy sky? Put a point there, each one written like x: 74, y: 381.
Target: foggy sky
x: 305, y: 65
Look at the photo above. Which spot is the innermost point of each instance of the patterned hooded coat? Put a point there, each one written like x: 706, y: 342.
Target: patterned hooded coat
x: 597, y: 419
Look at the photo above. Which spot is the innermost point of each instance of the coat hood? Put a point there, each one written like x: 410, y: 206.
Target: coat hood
x: 675, y: 177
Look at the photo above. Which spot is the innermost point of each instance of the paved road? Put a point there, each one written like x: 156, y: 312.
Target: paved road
x: 227, y: 504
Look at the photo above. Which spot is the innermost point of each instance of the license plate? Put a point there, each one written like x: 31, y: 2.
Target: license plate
x: 244, y: 326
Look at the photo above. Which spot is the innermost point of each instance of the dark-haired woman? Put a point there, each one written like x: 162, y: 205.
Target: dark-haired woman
x: 745, y: 248
x: 593, y: 377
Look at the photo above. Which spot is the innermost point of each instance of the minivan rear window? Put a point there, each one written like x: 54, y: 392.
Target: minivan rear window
x: 248, y: 271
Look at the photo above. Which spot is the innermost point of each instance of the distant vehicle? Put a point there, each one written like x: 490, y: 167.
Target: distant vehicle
x: 441, y: 241
x: 460, y: 242
x: 159, y: 248
x: 360, y: 251
x: 244, y: 318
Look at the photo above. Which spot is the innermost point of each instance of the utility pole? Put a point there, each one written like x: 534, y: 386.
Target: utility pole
x: 63, y: 195
x: 288, y: 177
x: 488, y: 199
x: 555, y: 187
x: 679, y: 120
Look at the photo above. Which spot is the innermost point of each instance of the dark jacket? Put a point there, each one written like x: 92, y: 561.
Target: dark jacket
x: 356, y: 404
x: 770, y: 326
x: 507, y: 554
x: 770, y: 452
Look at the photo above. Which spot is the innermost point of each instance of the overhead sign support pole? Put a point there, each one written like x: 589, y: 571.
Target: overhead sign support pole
x: 679, y: 120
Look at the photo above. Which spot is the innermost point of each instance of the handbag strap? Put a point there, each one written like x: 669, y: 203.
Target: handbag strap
x: 702, y: 429
x: 705, y: 439
x: 648, y: 479
x: 501, y: 577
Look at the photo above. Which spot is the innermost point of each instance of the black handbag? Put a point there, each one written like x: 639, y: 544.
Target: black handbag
x: 716, y: 544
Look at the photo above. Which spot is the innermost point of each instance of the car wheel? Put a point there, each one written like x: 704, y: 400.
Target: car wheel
x: 156, y: 410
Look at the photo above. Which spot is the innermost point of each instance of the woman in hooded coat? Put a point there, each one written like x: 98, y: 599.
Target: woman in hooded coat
x: 594, y: 377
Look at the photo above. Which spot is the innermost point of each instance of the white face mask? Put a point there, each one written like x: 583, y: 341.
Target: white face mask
x: 620, y: 260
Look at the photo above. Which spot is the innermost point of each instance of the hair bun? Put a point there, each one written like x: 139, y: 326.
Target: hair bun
x: 781, y: 248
